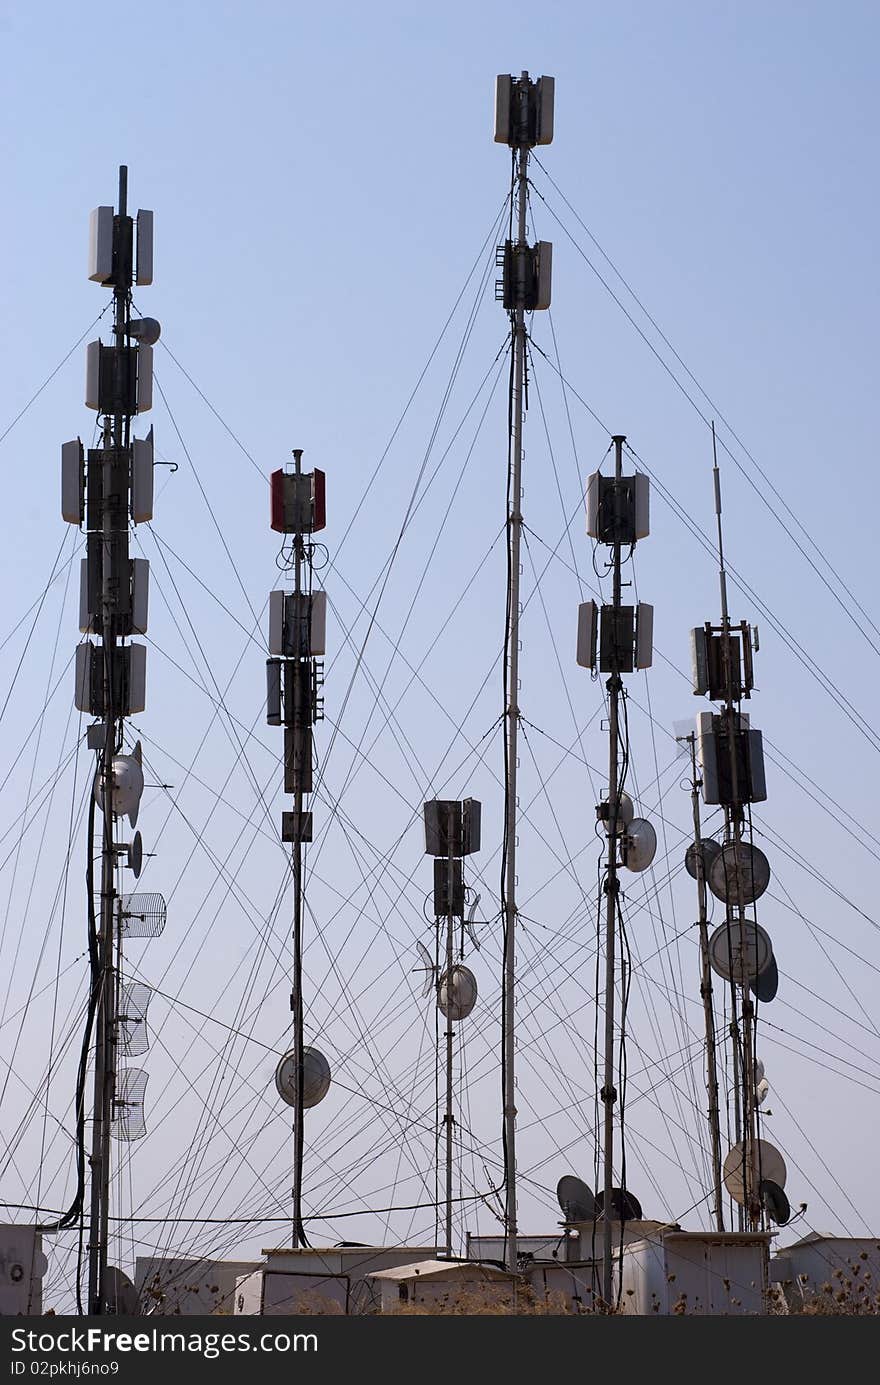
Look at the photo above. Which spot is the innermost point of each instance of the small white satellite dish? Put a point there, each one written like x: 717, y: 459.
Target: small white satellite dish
x: 316, y: 1078
x: 136, y: 855
x: 753, y: 873
x: 758, y: 1070
x: 128, y: 785
x: 739, y: 950
x: 761, y: 1091
x: 144, y: 329
x: 767, y: 1163
x: 639, y: 845
x: 709, y: 849
x: 625, y: 814
x: 457, y: 993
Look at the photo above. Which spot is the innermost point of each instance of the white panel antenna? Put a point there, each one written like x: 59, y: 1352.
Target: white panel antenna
x: 144, y: 379
x: 544, y: 255
x: 93, y: 375
x: 699, y: 661
x: 137, y: 679
x: 276, y: 621
x: 546, y: 92
x: 86, y: 625
x: 503, y: 95
x: 643, y: 505
x: 588, y: 624
x: 73, y: 479
x: 101, y: 245
x: 140, y: 591
x: 142, y: 479
x: 644, y: 635
x: 82, y: 697
x: 144, y: 253
x: 318, y: 623
x: 593, y: 505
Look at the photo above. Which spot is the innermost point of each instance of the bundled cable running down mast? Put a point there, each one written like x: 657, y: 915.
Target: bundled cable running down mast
x: 523, y: 118
x: 294, y: 677
x: 103, y: 488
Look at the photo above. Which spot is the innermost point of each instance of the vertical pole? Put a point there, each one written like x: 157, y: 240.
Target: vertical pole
x: 114, y: 516
x: 706, y: 993
x: 612, y: 887
x: 743, y: 1042
x: 450, y: 962
x: 296, y: 998
x: 511, y: 713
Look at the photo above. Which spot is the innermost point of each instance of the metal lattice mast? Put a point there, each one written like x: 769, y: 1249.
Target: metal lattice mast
x: 103, y: 489
x: 523, y: 118
x: 297, y: 621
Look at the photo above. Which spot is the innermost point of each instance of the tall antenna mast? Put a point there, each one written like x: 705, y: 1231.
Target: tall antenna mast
x: 523, y: 118
x: 697, y: 862
x: 102, y: 490
x: 742, y: 1036
x: 294, y: 677
x: 737, y: 873
x: 452, y: 831
x: 617, y: 515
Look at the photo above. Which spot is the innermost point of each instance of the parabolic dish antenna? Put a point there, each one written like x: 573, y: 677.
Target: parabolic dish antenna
x: 136, y: 855
x: 575, y: 1198
x: 754, y: 874
x: 120, y: 1296
x: 625, y: 814
x: 709, y: 848
x: 739, y: 950
x: 316, y: 1078
x: 768, y: 1165
x: 624, y: 1205
x: 775, y: 1202
x: 766, y: 983
x: 128, y: 785
x: 457, y: 993
x: 640, y: 845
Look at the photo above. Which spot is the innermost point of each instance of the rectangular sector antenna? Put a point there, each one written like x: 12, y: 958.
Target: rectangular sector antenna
x: 144, y: 261
x: 101, y: 245
x: 73, y: 482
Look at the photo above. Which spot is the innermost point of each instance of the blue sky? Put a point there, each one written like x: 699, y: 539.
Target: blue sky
x: 323, y: 180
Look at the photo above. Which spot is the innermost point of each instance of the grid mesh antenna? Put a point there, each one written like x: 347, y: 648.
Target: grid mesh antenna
x: 142, y: 915
x: 134, y: 997
x: 128, y: 1119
